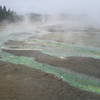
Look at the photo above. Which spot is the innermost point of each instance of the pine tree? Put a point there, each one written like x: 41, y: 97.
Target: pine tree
x: 7, y: 14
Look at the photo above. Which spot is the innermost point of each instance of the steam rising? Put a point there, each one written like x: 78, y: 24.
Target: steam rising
x: 68, y: 28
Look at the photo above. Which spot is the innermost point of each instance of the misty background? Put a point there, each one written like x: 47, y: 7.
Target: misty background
x: 70, y: 21
x: 87, y: 7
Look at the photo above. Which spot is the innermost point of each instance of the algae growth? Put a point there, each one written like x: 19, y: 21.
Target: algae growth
x: 78, y: 80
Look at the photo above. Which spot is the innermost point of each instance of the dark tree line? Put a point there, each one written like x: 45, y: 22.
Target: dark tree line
x: 7, y: 14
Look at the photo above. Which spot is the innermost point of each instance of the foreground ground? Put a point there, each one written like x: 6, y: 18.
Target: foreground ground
x: 18, y: 82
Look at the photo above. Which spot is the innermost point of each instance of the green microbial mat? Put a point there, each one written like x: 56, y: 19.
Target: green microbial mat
x: 78, y: 80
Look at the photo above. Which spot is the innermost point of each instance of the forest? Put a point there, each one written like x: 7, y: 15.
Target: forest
x: 8, y: 15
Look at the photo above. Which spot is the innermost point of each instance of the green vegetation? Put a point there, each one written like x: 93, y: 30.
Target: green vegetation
x: 7, y: 14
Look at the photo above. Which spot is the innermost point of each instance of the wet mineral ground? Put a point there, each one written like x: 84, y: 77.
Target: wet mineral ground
x: 36, y: 69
